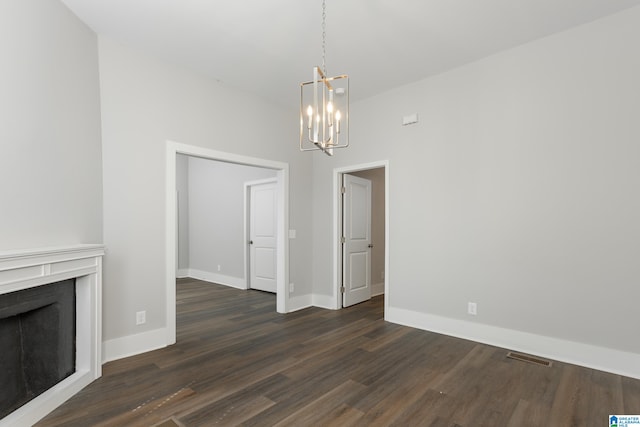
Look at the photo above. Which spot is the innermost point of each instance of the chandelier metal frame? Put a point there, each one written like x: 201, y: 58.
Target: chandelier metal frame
x: 324, y: 107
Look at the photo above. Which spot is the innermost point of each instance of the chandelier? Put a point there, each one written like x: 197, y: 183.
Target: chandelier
x: 324, y: 107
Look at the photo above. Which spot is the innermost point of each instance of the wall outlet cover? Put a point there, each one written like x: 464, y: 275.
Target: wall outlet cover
x: 472, y: 308
x: 141, y: 317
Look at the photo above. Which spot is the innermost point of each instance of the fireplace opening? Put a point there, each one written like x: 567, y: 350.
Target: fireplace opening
x: 37, y: 342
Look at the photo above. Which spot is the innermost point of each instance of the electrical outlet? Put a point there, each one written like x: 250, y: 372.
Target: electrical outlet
x: 218, y: 267
x: 291, y: 288
x: 141, y: 317
x: 472, y: 308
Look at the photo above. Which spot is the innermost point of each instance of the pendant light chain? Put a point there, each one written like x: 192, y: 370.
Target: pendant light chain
x: 324, y: 36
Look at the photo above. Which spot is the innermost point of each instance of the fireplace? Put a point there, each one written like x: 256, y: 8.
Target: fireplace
x: 50, y: 328
x: 38, y: 341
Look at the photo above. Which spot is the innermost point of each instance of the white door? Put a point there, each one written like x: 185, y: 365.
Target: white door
x: 263, y: 237
x: 356, y: 250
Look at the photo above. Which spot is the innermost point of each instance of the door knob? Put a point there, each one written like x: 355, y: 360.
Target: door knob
x: 251, y: 242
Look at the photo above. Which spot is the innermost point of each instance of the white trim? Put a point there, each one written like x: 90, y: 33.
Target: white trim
x: 182, y: 273
x: 300, y: 302
x: 29, y: 268
x: 282, y: 267
x: 171, y: 232
x: 38, y: 256
x: 220, y: 279
x: 130, y: 345
x: 590, y: 356
x: 336, y: 302
x: 282, y: 177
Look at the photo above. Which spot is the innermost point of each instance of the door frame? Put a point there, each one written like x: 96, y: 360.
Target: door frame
x: 337, y: 227
x: 247, y: 227
x: 282, y: 178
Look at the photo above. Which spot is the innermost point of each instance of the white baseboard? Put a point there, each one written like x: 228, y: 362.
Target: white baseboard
x: 324, y: 301
x: 131, y: 345
x: 377, y: 289
x: 182, y: 273
x: 300, y: 302
x: 329, y: 302
x: 221, y: 279
x: 590, y: 356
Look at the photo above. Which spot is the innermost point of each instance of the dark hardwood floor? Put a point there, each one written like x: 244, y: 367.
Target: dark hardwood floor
x: 238, y: 362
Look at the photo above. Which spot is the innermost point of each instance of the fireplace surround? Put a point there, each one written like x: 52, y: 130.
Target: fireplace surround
x: 43, y: 268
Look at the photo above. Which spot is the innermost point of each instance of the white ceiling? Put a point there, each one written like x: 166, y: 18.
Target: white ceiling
x: 269, y: 46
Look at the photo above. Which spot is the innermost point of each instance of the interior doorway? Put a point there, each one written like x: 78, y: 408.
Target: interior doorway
x: 282, y: 214
x: 361, y: 230
x: 212, y: 229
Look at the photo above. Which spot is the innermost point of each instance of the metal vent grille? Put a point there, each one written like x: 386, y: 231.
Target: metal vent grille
x: 529, y: 359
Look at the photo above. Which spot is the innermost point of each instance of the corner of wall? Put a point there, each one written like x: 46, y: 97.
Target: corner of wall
x: 324, y: 301
x: 299, y: 303
x: 131, y: 345
x: 220, y: 279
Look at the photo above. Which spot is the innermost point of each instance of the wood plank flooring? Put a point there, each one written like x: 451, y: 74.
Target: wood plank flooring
x: 238, y: 362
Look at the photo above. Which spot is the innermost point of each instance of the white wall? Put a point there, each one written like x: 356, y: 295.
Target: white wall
x: 144, y: 103
x: 517, y: 190
x: 216, y: 218
x: 50, y: 158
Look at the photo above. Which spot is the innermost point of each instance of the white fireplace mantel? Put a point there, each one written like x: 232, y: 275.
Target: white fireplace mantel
x: 23, y: 269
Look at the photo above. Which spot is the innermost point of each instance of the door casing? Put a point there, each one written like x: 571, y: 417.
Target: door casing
x: 337, y: 229
x: 282, y: 177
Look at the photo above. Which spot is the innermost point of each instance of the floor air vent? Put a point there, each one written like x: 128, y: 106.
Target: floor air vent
x: 171, y: 422
x: 529, y: 359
